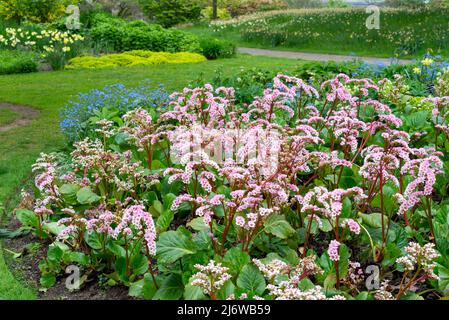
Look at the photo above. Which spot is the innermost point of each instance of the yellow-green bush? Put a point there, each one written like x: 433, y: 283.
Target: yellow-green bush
x: 32, y: 10
x: 133, y: 58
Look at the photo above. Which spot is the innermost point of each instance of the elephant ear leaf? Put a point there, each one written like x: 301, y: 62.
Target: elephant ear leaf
x: 443, y: 278
x: 251, y: 280
x: 87, y: 196
x: 173, y: 245
x: 278, y: 226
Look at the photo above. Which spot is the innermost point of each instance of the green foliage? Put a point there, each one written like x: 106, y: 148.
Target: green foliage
x: 406, y: 3
x: 242, y: 7
x: 337, y: 4
x: 251, y: 280
x: 33, y: 11
x: 138, y: 35
x: 173, y: 245
x: 134, y: 58
x: 402, y: 32
x: 15, y: 61
x: 37, y: 90
x: 222, y: 13
x: 184, y: 240
x: 171, y: 12
x: 213, y: 48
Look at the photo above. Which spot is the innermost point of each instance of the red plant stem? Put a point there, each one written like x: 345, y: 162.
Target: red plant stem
x: 126, y: 256
x: 214, y: 243
x: 306, y: 241
x: 337, y: 274
x: 40, y: 226
x: 307, y: 182
x: 149, y: 156
x: 225, y: 233
x: 150, y: 266
x: 410, y: 283
x: 429, y: 218
x: 382, y: 205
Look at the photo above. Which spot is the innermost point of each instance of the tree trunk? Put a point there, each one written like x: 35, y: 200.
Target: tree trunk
x: 214, y: 9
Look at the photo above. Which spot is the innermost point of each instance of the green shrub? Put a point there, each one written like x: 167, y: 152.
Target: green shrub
x: 32, y: 10
x: 171, y: 12
x: 134, y: 58
x: 243, y: 7
x: 322, y: 70
x: 138, y: 35
x: 222, y: 13
x: 12, y: 61
x: 213, y: 48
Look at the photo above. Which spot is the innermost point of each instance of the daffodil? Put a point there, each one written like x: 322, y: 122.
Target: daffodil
x: 427, y: 62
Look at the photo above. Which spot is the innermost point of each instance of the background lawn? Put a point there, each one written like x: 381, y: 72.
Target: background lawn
x: 404, y: 33
x: 50, y: 91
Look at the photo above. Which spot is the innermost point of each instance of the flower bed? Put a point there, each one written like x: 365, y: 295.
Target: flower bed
x: 54, y: 46
x: 296, y: 195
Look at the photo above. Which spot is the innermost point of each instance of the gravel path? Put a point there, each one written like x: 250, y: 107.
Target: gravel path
x: 25, y: 115
x: 316, y: 56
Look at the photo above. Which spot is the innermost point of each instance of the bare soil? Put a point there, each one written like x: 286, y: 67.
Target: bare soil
x: 25, y: 115
x: 26, y: 267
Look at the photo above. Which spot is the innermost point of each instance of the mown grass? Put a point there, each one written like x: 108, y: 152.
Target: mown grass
x: 49, y: 92
x: 405, y: 33
x: 7, y: 116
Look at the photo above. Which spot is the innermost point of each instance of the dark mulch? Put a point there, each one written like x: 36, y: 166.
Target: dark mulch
x: 26, y: 268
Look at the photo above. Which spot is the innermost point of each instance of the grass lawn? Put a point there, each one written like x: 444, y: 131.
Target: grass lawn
x: 7, y: 116
x: 235, y: 36
x: 406, y: 33
x: 50, y: 91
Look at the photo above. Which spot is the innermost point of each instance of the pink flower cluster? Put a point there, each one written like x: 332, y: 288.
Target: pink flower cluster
x: 424, y: 170
x: 137, y: 217
x: 334, y: 250
x: 328, y: 203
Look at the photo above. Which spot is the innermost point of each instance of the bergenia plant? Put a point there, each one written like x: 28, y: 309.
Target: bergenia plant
x: 291, y: 196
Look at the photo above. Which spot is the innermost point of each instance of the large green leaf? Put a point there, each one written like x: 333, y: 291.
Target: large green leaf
x: 69, y: 191
x: 198, y: 224
x: 235, y: 259
x: 171, y: 288
x: 27, y: 218
x: 93, y: 240
x: 53, y: 228
x: 278, y: 226
x: 226, y: 290
x: 443, y: 281
x: 389, y: 201
x: 251, y: 280
x: 139, y: 264
x: 87, y: 196
x: 194, y: 293
x: 144, y: 288
x: 173, y: 245
x: 373, y: 220
x: 164, y: 221
x: 47, y: 280
x: 78, y: 257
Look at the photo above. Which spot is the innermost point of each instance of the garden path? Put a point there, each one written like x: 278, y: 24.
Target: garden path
x: 317, y: 56
x: 25, y: 115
